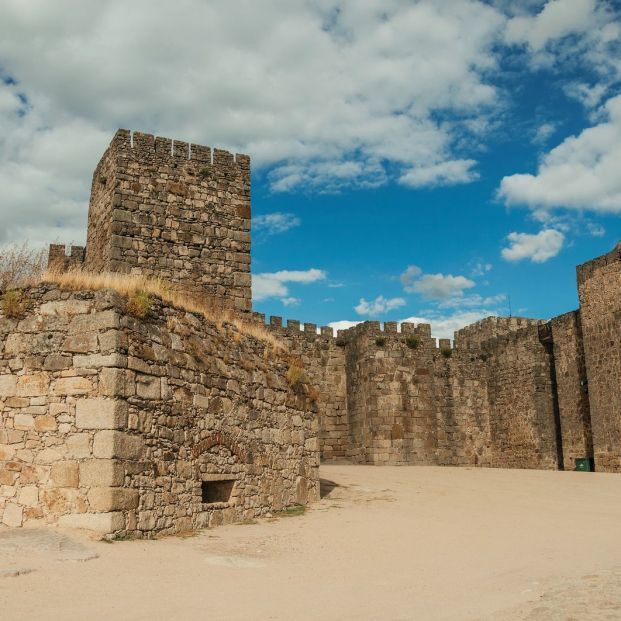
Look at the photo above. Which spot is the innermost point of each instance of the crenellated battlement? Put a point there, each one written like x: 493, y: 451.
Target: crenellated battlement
x: 63, y: 258
x: 169, y: 209
x: 150, y: 147
x: 476, y: 334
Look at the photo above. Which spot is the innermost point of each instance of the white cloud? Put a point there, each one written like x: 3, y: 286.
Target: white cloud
x: 581, y: 173
x: 543, y: 132
x: 378, y: 306
x: 274, y: 284
x: 441, y: 286
x: 274, y: 223
x: 538, y: 248
x: 480, y: 269
x: 443, y: 326
x: 595, y: 230
x: 579, y: 34
x: 291, y: 301
x: 326, y: 94
x: 557, y: 19
x: 473, y: 301
x: 443, y: 173
x: 409, y: 277
x: 344, y: 324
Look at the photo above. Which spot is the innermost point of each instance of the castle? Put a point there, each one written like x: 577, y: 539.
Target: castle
x: 168, y: 422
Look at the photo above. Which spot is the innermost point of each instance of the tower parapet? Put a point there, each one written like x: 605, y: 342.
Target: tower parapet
x: 168, y: 209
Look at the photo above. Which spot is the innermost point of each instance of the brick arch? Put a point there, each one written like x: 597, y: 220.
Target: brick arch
x: 221, y: 438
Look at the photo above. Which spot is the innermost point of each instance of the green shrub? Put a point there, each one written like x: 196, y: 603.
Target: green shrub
x: 412, y: 341
x: 13, y: 304
x: 139, y: 304
x: 380, y: 341
x: 341, y: 342
x: 447, y: 353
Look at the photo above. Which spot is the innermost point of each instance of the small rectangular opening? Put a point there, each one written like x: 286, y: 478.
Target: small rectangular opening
x: 217, y: 491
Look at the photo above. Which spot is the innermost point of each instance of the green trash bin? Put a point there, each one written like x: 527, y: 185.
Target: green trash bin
x: 585, y: 464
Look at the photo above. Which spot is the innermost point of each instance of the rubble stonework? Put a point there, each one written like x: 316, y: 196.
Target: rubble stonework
x: 171, y: 422
x: 115, y: 424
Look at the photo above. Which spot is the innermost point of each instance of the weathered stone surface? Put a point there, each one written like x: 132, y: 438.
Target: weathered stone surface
x: 100, y: 413
x: 8, y: 385
x: 12, y: 515
x: 112, y: 499
x: 65, y: 474
x: 104, y: 523
x: 101, y: 473
x: 116, y: 444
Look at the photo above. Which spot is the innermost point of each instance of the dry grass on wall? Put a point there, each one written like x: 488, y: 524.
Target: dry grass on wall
x: 20, y: 265
x: 139, y: 287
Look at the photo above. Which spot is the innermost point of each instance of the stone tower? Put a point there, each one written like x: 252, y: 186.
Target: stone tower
x: 167, y: 209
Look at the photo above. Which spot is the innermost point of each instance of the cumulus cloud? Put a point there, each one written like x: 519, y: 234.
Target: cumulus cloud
x: 443, y: 173
x: 274, y: 223
x: 363, y: 108
x: 444, y: 325
x: 434, y: 286
x: 275, y: 284
x: 557, y: 19
x: 291, y: 301
x: 581, y: 173
x: 537, y: 248
x: 378, y: 306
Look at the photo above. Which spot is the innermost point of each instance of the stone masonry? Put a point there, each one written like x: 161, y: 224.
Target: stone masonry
x: 174, y: 211
x: 163, y: 424
x: 171, y: 422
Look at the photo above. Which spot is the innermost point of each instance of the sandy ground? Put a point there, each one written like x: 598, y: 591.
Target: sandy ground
x: 383, y: 543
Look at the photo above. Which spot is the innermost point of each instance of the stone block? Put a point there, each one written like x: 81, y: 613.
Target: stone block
x: 110, y: 444
x: 8, y: 385
x: 101, y: 473
x: 47, y: 456
x: 103, y: 499
x: 29, y: 496
x: 6, y: 452
x: 65, y: 474
x: 102, y: 523
x: 45, y: 423
x: 13, y: 515
x: 24, y: 422
x: 99, y: 413
x: 148, y: 387
x: 57, y: 362
x: 78, y: 445
x: 95, y: 361
x: 72, y: 386
x: 81, y: 343
x: 35, y: 385
x: 66, y: 307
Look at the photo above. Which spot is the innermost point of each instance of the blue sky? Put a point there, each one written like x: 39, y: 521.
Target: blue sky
x: 425, y: 160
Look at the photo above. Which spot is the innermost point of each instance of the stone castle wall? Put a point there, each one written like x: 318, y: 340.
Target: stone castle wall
x: 572, y: 389
x: 123, y: 425
x: 170, y: 210
x: 390, y: 397
x: 599, y: 287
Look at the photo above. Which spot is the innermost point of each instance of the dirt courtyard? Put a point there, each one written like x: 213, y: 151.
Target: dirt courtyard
x: 386, y: 543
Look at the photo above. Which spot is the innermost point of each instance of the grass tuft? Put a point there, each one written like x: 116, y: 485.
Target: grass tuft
x: 13, y: 304
x: 412, y: 341
x: 291, y: 511
x: 139, y: 304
